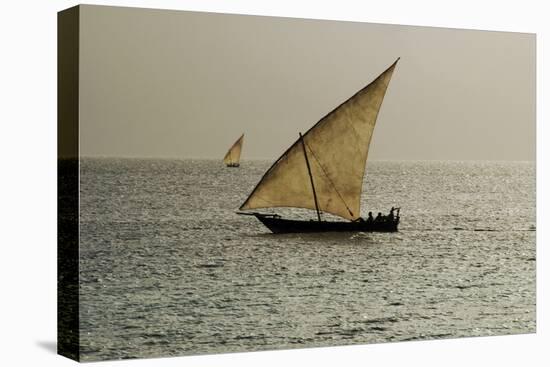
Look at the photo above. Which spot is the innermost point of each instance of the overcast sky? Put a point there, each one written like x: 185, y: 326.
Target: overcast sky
x: 157, y: 83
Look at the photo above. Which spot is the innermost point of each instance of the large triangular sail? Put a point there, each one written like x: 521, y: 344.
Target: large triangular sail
x: 233, y: 155
x: 337, y: 148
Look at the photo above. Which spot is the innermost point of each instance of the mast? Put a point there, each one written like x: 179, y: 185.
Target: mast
x: 311, y: 178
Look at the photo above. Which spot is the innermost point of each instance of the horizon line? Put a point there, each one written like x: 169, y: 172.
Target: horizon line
x: 272, y: 159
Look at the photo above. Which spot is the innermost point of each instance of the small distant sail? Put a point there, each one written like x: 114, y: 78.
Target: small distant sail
x: 233, y: 156
x: 337, y: 147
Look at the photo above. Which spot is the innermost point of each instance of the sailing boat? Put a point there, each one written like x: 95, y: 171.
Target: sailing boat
x: 324, y: 170
x: 233, y: 155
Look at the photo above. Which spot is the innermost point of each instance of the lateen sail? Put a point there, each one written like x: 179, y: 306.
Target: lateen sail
x: 233, y: 155
x: 337, y: 147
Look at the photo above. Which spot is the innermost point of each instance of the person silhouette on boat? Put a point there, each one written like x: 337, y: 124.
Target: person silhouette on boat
x: 379, y: 218
x: 391, y: 216
x: 370, y: 219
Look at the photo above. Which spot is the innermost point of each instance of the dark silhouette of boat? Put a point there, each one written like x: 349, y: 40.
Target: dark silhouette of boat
x: 324, y: 170
x: 276, y: 224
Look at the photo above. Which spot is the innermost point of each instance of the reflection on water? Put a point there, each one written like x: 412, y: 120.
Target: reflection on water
x: 168, y: 268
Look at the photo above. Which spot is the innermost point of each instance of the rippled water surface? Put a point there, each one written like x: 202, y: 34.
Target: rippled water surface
x: 168, y: 268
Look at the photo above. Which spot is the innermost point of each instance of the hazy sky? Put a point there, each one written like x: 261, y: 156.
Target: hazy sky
x: 157, y: 83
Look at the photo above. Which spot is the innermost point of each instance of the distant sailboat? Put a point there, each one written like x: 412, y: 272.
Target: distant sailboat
x: 324, y: 169
x: 233, y: 156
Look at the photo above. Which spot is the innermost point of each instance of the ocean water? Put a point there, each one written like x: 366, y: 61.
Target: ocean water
x: 167, y: 268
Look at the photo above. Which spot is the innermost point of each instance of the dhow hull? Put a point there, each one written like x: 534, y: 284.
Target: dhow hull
x: 280, y: 225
